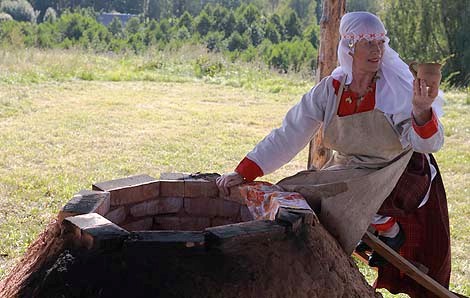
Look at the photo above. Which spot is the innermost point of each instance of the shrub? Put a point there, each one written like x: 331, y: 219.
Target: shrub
x: 72, y: 25
x: 115, y: 27
x: 292, y: 26
x: 20, y: 10
x: 11, y: 34
x: 271, y: 33
x: 50, y: 15
x: 203, y: 24
x: 133, y: 26
x: 214, y: 41
x: 311, y: 34
x: 237, y: 42
x: 186, y: 20
x: 45, y: 36
x: 183, y: 33
x: 204, y: 67
x: 5, y: 17
x: 256, y: 34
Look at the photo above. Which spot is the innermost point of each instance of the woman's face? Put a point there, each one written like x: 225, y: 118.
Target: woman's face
x: 368, y: 55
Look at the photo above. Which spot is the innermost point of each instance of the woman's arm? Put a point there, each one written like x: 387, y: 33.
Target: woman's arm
x: 424, y: 132
x: 297, y: 129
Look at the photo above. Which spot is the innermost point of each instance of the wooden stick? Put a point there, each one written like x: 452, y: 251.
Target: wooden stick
x: 405, y: 266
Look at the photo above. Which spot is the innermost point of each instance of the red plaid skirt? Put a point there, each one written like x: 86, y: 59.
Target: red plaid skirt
x: 426, y: 228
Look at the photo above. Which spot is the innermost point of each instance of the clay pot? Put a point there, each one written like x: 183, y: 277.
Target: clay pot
x: 429, y: 72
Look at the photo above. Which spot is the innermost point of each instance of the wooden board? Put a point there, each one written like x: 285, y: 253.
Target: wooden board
x: 405, y: 266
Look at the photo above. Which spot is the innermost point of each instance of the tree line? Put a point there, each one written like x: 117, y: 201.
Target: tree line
x: 283, y: 41
x: 282, y: 33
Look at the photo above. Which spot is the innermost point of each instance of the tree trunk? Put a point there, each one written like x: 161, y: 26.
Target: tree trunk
x: 333, y: 10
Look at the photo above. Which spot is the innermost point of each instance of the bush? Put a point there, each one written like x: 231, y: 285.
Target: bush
x: 11, y: 34
x: 271, y: 33
x: 50, y: 15
x: 45, y: 36
x: 204, y: 67
x: 133, y: 26
x: 5, y: 17
x: 237, y: 42
x: 256, y: 34
x: 72, y: 25
x: 183, y: 33
x: 214, y: 41
x: 203, y: 24
x: 20, y: 10
x: 115, y: 27
x: 293, y: 55
x: 186, y: 20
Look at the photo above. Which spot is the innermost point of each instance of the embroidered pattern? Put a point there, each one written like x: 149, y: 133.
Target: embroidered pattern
x: 368, y: 36
x: 264, y: 199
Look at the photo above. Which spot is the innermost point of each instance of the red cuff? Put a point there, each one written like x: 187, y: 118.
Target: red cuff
x: 384, y: 226
x: 428, y: 129
x: 249, y: 169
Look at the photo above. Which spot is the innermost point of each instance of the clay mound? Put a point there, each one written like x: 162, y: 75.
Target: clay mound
x: 179, y: 237
x: 308, y: 265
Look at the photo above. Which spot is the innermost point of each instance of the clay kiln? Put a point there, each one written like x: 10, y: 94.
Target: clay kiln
x: 178, y: 237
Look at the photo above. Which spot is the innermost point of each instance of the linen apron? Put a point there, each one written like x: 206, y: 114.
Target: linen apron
x: 364, y: 169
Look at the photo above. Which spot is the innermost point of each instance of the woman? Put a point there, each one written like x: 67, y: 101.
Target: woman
x: 374, y: 115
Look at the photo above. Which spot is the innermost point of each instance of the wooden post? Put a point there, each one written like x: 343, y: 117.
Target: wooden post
x: 332, y: 12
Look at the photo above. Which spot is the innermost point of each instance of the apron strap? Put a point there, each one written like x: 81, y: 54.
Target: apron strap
x: 340, y: 93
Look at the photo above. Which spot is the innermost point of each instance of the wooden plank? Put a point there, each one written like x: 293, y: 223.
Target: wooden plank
x: 364, y: 257
x: 459, y: 295
x: 405, y: 266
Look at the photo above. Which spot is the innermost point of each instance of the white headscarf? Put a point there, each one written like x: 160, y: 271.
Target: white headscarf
x: 394, y: 90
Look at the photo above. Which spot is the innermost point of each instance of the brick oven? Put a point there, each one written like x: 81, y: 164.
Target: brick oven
x: 177, y: 236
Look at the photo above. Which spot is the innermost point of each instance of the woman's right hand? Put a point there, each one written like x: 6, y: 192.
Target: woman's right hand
x: 228, y: 180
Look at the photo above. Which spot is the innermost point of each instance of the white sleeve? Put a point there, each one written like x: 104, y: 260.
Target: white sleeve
x: 298, y: 128
x: 427, y: 145
x: 411, y: 138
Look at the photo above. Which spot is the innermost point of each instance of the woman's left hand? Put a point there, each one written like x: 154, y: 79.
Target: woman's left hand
x: 423, y: 97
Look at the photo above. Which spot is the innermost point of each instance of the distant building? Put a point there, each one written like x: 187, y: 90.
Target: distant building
x: 106, y: 18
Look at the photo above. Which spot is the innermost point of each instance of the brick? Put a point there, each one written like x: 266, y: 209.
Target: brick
x: 139, y: 225
x: 309, y: 216
x: 218, y: 221
x: 166, y: 223
x: 95, y: 231
x: 171, y: 188
x: 234, y: 237
x: 158, y: 206
x: 201, y: 206
x: 194, y: 223
x: 117, y: 215
x: 143, y: 209
x: 130, y: 190
x: 86, y: 221
x: 234, y: 196
x: 169, y: 205
x: 165, y: 243
x: 245, y: 214
x: 86, y: 201
x: 200, y: 188
x: 168, y: 236
x: 174, y: 176
x: 228, y: 209
x: 123, y: 182
x: 293, y: 221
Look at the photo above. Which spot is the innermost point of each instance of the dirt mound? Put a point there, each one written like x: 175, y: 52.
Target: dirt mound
x: 311, y: 264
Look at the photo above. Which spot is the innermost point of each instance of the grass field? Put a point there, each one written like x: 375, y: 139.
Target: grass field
x: 69, y: 119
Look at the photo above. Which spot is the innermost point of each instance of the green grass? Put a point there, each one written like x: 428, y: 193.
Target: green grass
x: 69, y: 119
